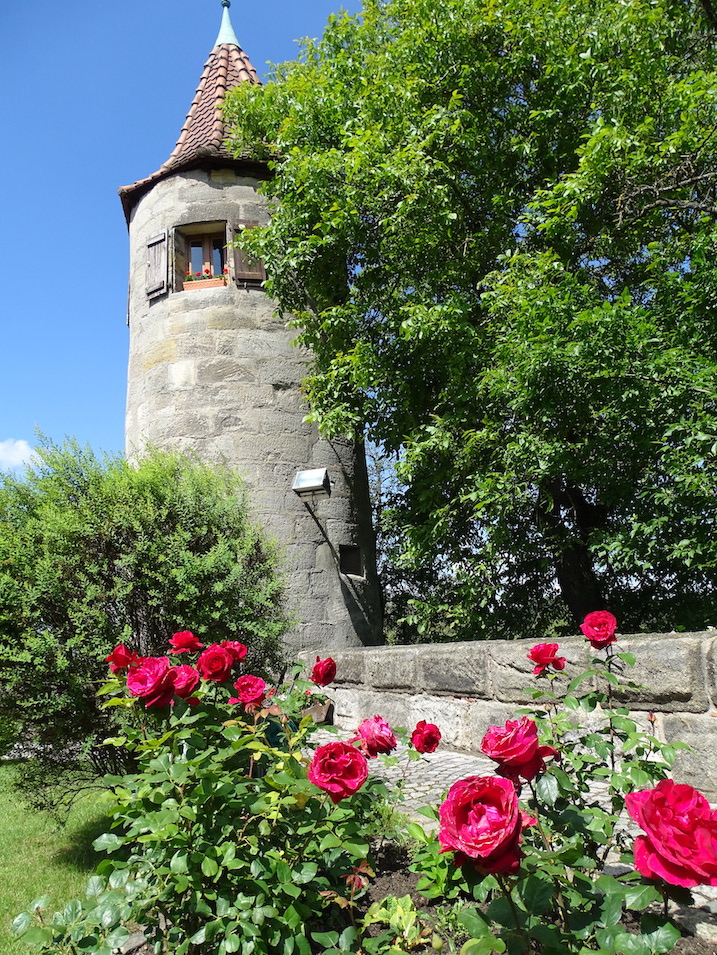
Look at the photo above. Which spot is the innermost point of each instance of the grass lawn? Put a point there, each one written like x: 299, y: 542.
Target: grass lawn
x: 40, y: 857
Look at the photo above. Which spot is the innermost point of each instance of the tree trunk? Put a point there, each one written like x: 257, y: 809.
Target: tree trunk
x: 565, y: 520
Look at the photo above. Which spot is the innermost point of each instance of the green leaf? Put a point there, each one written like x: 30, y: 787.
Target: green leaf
x: 547, y: 788
x: 640, y: 896
x: 107, y: 842
x: 210, y: 867
x: 536, y: 894
x: 21, y: 923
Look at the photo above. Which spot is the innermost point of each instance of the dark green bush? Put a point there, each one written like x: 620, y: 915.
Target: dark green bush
x: 96, y: 552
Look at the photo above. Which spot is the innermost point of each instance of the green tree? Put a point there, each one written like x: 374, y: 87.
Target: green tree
x: 496, y: 226
x: 96, y: 552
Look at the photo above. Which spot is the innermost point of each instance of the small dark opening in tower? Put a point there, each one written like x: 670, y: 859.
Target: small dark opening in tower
x: 350, y: 560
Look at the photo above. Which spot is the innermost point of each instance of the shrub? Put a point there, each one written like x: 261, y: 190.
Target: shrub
x: 95, y: 552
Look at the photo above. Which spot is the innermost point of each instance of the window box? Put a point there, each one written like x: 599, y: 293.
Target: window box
x: 205, y: 283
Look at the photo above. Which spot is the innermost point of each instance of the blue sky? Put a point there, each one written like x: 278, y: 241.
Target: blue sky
x: 93, y: 96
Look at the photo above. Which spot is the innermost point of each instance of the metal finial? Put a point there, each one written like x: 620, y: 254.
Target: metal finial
x: 226, y: 31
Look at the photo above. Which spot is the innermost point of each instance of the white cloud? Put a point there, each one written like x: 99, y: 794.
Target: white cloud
x: 14, y: 453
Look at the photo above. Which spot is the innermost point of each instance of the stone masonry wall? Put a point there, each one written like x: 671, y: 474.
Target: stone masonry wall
x: 466, y: 687
x: 214, y: 371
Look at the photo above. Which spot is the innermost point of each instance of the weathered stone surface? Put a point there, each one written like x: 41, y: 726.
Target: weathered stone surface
x: 458, y: 669
x: 699, y: 767
x: 391, y: 667
x: 354, y: 705
x: 711, y: 666
x: 451, y: 716
x: 511, y: 672
x: 672, y: 670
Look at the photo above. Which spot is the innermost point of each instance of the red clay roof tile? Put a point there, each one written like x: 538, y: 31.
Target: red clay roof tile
x: 202, y: 135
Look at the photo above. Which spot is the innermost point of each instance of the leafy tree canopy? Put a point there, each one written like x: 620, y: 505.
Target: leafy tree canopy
x: 497, y: 230
x: 96, y: 552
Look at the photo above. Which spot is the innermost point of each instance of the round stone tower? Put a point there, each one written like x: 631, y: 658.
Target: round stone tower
x: 213, y: 370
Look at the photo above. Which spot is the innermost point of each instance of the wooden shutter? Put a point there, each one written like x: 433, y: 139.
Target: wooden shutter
x: 178, y: 263
x: 247, y: 270
x: 157, y: 265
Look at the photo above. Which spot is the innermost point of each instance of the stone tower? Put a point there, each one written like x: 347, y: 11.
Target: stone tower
x: 213, y: 370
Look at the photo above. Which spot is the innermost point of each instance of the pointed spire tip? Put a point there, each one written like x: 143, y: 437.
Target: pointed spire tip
x: 226, y: 30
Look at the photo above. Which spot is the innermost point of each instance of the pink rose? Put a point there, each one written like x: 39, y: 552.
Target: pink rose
x: 251, y: 691
x: 186, y: 680
x: 216, y: 663
x: 339, y: 769
x: 184, y: 641
x: 680, y: 845
x: 153, y: 681
x: 375, y: 736
x: 426, y: 737
x: 480, y: 820
x: 516, y: 749
x: 543, y: 655
x: 122, y: 658
x: 324, y: 671
x: 237, y: 650
x: 599, y: 627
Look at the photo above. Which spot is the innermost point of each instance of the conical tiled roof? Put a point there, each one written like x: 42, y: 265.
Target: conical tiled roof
x: 201, y: 141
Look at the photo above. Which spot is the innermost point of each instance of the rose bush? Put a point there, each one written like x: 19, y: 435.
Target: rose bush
x: 250, y: 691
x: 339, y: 769
x: 599, y: 627
x: 680, y: 841
x: 481, y: 820
x: 425, y: 737
x: 216, y: 663
x: 184, y: 641
x: 234, y: 837
x: 323, y: 672
x: 544, y: 655
x: 375, y: 736
x: 516, y: 748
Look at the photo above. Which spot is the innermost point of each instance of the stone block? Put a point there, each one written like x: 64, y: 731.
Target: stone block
x: 451, y: 716
x: 711, y: 661
x: 481, y: 716
x: 391, y: 667
x: 699, y: 766
x: 672, y: 670
x: 511, y: 672
x: 350, y: 666
x: 458, y: 669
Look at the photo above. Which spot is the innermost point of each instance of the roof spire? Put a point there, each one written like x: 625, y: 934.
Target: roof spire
x: 226, y: 30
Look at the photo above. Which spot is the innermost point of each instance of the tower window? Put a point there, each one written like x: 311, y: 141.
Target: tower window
x: 206, y: 254
x: 350, y: 560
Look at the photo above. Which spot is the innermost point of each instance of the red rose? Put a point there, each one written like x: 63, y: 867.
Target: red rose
x: 680, y: 845
x: 339, y: 769
x: 122, y: 658
x: 237, y: 650
x: 216, y: 663
x: 515, y: 748
x: 599, y: 627
x: 426, y: 737
x: 375, y: 736
x: 153, y: 681
x: 480, y: 820
x: 184, y: 641
x: 251, y: 691
x: 186, y: 680
x: 543, y: 655
x: 324, y: 671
